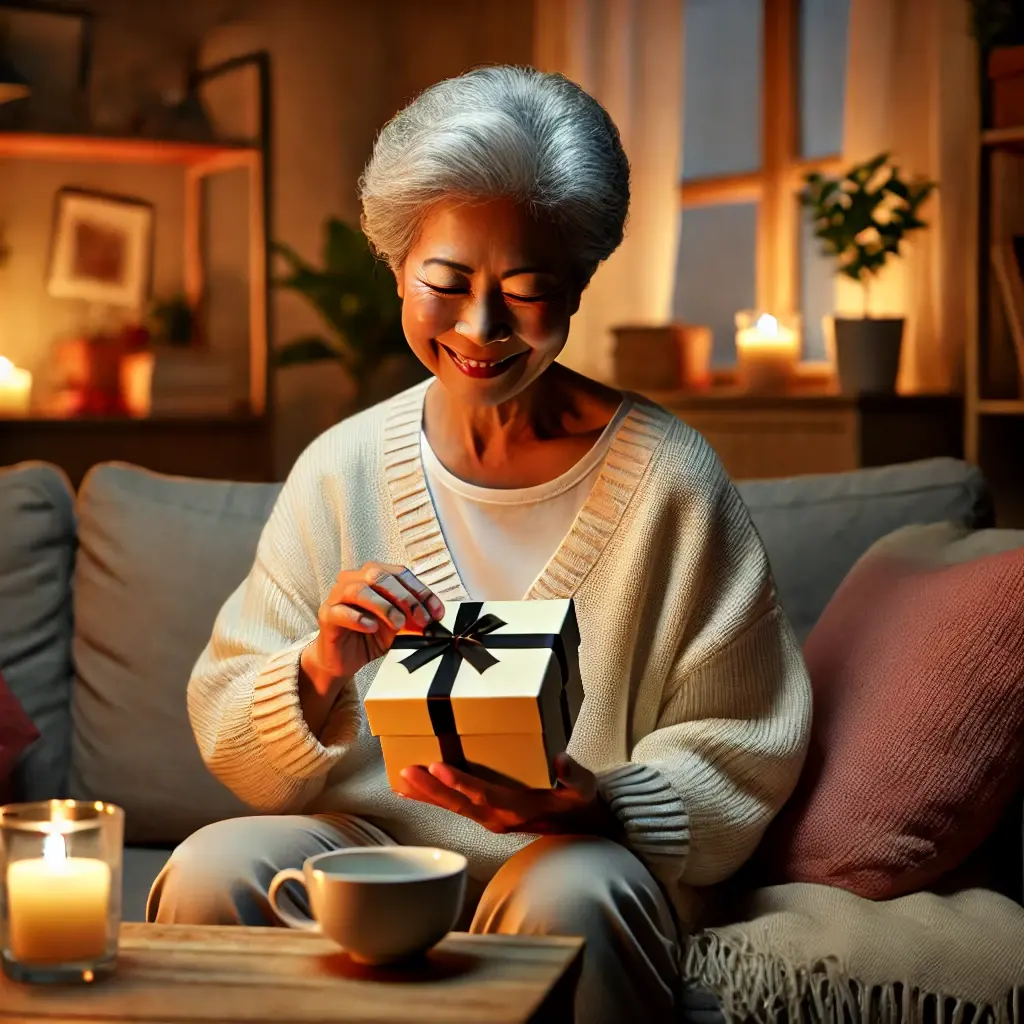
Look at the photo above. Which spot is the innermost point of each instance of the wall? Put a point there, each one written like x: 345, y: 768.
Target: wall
x: 340, y: 69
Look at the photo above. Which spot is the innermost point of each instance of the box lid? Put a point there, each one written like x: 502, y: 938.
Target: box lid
x: 520, y: 692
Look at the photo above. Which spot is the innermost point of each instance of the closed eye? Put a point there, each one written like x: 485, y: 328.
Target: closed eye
x: 530, y: 298
x: 445, y: 291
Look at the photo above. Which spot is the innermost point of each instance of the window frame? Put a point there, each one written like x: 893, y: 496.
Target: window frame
x: 775, y: 187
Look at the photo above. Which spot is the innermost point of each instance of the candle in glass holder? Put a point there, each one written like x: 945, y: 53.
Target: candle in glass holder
x: 766, y: 352
x: 57, y: 906
x: 15, y: 389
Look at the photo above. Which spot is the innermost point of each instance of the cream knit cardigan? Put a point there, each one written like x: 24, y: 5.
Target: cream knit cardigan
x: 697, y: 704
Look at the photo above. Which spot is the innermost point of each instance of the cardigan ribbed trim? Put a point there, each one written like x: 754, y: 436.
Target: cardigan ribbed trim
x: 629, y: 454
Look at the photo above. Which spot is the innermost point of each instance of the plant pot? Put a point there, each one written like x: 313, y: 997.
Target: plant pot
x: 868, y: 354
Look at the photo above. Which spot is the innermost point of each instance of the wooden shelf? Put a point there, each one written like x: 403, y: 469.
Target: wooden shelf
x: 737, y: 399
x: 121, y: 422
x: 1001, y: 407
x: 111, y: 149
x: 1004, y: 138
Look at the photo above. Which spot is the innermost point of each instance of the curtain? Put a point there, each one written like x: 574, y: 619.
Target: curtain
x: 628, y: 55
x: 912, y: 89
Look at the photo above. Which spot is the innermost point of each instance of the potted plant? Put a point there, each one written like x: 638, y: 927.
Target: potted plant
x: 356, y: 299
x: 861, y: 220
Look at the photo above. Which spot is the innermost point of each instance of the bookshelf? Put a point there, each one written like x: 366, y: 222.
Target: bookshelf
x: 236, y: 444
x: 994, y: 378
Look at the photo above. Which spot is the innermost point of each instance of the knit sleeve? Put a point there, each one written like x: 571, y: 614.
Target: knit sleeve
x: 243, y: 697
x: 733, y: 724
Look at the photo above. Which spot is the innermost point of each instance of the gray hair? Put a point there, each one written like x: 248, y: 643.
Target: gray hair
x: 500, y: 132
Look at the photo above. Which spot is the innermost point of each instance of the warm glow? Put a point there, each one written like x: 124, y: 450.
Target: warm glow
x: 15, y: 389
x: 768, y: 325
x: 55, y: 850
x: 57, y: 905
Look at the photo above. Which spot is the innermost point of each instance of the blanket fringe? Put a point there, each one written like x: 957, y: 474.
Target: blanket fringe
x: 763, y: 989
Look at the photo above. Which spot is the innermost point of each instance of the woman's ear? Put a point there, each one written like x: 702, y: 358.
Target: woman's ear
x: 574, y: 301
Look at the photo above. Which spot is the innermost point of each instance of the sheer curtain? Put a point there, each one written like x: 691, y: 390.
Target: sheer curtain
x: 628, y: 54
x: 912, y: 89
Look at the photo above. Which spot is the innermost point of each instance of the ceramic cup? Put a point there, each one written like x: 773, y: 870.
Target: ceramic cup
x: 380, y: 904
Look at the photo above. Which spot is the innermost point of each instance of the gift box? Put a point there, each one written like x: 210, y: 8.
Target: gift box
x: 493, y: 689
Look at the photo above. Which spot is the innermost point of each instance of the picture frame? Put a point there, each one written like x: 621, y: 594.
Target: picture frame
x: 51, y: 47
x: 101, y: 249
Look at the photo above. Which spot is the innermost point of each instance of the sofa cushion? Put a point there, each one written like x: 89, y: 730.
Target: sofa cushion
x: 158, y: 556
x: 815, y: 527
x: 37, y: 550
x: 17, y: 732
x: 917, y: 746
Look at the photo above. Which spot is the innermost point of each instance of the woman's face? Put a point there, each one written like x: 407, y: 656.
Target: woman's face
x: 486, y: 299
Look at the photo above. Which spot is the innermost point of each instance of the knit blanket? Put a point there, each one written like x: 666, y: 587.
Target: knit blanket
x: 813, y: 953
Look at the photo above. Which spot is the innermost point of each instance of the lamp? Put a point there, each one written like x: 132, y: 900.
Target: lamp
x: 12, y: 85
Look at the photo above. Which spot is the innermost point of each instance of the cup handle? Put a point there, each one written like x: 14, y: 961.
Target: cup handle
x: 287, y: 917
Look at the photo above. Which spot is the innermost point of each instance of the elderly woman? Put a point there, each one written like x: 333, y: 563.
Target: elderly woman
x: 493, y: 197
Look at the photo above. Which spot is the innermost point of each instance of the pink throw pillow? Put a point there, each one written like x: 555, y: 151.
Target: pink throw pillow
x: 17, y: 733
x: 917, y: 667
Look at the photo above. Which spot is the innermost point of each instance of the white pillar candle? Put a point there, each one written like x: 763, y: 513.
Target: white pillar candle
x: 766, y: 353
x: 15, y: 389
x: 57, y: 906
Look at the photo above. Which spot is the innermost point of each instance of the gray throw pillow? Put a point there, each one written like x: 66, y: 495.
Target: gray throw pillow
x: 158, y: 556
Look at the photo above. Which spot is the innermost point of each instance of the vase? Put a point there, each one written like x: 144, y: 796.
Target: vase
x: 868, y: 354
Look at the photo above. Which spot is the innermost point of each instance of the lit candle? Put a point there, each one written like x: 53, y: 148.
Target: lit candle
x: 767, y: 354
x: 57, y: 906
x: 15, y: 389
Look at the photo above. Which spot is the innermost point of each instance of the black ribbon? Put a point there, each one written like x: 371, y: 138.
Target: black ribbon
x: 472, y: 640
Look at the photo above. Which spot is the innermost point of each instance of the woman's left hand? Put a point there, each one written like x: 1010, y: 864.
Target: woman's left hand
x: 572, y: 806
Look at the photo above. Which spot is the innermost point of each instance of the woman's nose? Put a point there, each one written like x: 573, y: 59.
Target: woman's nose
x: 484, y: 321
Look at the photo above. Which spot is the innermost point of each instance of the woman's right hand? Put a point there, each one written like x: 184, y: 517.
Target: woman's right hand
x: 360, y: 618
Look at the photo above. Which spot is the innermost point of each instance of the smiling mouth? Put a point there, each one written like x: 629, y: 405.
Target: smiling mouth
x: 482, y: 368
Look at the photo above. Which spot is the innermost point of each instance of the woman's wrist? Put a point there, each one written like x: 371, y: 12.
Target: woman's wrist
x: 594, y: 818
x: 318, y: 691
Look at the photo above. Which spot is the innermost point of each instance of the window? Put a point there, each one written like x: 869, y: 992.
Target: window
x: 764, y: 86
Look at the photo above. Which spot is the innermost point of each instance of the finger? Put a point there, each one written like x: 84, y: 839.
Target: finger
x: 570, y: 773
x: 363, y: 596
x: 474, y: 790
x: 421, y: 591
x: 424, y: 786
x: 346, y: 617
x: 386, y: 583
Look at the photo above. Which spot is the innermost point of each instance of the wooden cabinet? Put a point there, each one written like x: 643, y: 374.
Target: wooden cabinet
x: 227, y: 449
x: 792, y: 435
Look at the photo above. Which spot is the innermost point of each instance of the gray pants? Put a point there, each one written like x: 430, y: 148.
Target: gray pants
x: 560, y: 885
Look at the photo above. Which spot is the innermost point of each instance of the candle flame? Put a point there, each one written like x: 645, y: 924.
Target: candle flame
x: 6, y: 368
x: 55, y: 850
x: 768, y: 325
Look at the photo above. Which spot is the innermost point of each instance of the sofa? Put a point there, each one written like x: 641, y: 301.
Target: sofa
x: 108, y: 596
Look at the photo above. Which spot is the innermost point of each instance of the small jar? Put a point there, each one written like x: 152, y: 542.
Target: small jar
x: 60, y: 904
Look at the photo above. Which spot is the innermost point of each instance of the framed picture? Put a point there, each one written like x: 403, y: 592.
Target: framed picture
x: 102, y: 249
x: 50, y: 46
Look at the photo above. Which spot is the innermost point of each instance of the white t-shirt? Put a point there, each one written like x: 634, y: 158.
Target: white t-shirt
x: 501, y: 539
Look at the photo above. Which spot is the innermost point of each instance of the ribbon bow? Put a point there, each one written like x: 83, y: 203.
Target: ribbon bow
x: 465, y: 642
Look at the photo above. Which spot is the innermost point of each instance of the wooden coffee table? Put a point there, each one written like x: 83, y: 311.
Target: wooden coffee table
x: 179, y: 973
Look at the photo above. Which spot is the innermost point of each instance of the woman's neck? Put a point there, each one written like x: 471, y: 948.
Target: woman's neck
x: 535, y: 437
